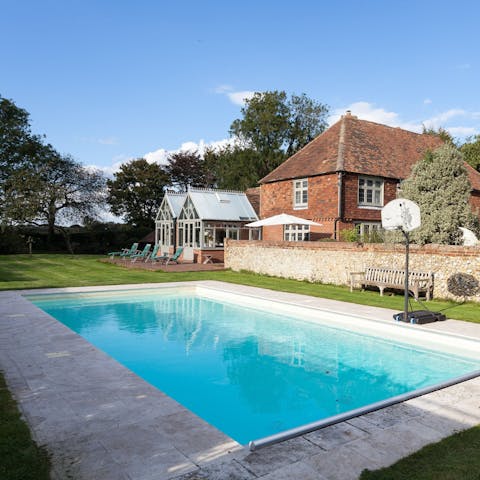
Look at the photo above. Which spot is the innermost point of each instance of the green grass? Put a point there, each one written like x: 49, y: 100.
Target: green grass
x: 454, y: 458
x: 20, y: 458
x: 42, y: 271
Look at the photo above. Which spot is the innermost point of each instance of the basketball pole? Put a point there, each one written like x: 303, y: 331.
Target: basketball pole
x: 407, y: 251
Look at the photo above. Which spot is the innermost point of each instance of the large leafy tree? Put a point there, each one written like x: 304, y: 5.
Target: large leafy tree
x: 265, y: 122
x: 439, y: 184
x: 19, y: 148
x: 188, y: 169
x: 308, y: 119
x: 37, y: 184
x: 136, y: 191
x: 276, y: 127
x: 471, y: 151
x: 233, y: 167
x: 56, y: 190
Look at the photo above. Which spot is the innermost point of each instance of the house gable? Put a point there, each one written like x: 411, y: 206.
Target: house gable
x: 171, y: 205
x: 357, y: 146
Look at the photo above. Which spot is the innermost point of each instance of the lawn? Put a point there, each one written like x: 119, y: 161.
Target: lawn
x: 43, y: 271
x: 20, y: 458
x: 455, y: 457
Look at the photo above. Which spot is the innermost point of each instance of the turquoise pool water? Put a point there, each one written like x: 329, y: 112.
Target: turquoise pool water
x: 251, y: 373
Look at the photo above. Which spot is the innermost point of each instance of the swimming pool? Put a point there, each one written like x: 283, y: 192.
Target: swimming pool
x: 252, y: 367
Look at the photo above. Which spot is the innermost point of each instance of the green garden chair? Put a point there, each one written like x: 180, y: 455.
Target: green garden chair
x: 171, y: 259
x: 143, y: 254
x: 174, y: 258
x: 153, y: 254
x: 126, y: 252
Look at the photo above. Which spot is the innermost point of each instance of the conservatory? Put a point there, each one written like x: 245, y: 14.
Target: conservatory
x: 207, y: 217
x: 166, y: 221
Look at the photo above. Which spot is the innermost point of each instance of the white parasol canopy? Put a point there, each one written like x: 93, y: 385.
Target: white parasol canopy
x: 282, y: 219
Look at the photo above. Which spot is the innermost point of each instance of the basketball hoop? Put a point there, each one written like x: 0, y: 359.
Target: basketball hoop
x: 404, y: 215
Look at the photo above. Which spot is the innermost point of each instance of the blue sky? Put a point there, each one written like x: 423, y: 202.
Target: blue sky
x: 111, y: 80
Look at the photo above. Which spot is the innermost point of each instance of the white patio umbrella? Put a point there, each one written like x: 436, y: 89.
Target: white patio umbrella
x: 281, y: 219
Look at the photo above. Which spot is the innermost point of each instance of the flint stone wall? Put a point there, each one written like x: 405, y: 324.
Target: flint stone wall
x: 332, y: 262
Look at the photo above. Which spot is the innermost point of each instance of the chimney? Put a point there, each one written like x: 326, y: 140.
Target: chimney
x: 348, y: 114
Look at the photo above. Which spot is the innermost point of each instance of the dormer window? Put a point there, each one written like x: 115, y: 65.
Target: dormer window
x: 300, y: 193
x: 370, y: 192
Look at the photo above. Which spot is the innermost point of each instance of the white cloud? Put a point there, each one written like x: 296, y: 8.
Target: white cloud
x: 161, y: 155
x: 446, y: 119
x: 427, y: 101
x: 107, y: 216
x: 239, y: 98
x: 157, y: 156
x: 109, y: 170
x: 236, y: 97
x: 367, y: 111
x: 441, y: 119
x: 462, y: 131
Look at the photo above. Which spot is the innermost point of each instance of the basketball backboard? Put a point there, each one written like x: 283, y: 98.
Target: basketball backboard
x: 401, y: 214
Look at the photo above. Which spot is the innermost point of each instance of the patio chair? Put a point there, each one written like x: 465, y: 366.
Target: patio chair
x: 174, y: 258
x: 143, y: 254
x: 153, y: 254
x: 170, y: 259
x: 161, y: 258
x: 125, y: 252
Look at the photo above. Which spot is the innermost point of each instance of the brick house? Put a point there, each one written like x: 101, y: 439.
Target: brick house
x: 344, y: 177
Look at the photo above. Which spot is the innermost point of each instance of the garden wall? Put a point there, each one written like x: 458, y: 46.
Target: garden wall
x: 332, y: 262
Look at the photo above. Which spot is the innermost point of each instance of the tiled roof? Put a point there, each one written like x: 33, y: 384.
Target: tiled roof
x: 473, y: 176
x: 253, y: 195
x: 357, y: 146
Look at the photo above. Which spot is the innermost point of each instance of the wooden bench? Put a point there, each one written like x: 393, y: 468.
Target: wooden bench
x: 418, y: 282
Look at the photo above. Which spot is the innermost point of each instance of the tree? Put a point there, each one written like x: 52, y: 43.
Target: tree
x: 308, y: 119
x: 441, y: 133
x: 137, y: 191
x: 276, y: 127
x: 265, y: 122
x: 188, y: 169
x: 55, y: 190
x: 37, y: 184
x: 439, y: 184
x: 471, y: 151
x: 19, y: 148
x: 15, y: 135
x: 233, y: 167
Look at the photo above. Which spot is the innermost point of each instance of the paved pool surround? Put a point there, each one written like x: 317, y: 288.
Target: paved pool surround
x: 101, y: 421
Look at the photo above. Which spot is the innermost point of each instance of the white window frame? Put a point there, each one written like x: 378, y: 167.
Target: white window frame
x: 296, y: 233
x: 300, y: 193
x: 370, y: 192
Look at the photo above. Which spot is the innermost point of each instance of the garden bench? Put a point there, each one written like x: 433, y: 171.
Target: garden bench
x: 418, y: 282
